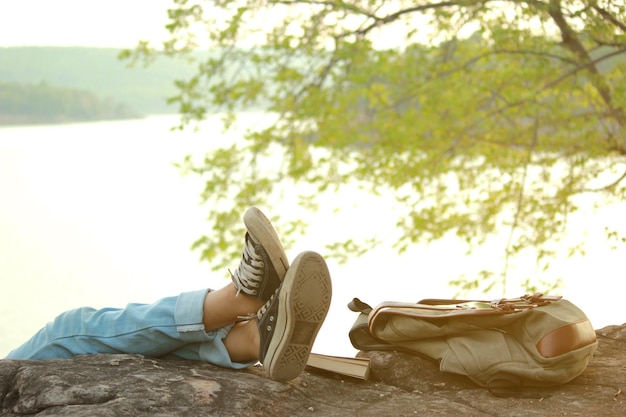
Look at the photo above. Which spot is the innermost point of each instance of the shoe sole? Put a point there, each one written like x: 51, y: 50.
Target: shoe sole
x: 263, y: 233
x: 304, y: 300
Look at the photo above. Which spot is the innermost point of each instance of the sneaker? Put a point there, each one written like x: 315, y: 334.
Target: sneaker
x: 263, y: 261
x: 289, y: 322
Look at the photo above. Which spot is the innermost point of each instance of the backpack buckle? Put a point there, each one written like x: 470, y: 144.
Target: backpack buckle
x: 503, y: 305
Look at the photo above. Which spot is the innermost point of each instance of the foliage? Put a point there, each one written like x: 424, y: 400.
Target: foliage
x: 481, y: 115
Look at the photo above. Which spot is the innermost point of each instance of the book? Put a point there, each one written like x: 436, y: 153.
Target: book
x: 352, y: 367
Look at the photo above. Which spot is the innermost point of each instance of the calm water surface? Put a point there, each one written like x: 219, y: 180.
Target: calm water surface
x: 96, y: 214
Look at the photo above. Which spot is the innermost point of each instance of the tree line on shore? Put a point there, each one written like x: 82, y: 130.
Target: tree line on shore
x: 68, y: 84
x: 44, y: 103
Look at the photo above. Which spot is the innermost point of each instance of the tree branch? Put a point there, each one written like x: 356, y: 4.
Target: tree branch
x: 606, y: 15
x: 379, y: 21
x: 571, y: 42
x: 608, y: 186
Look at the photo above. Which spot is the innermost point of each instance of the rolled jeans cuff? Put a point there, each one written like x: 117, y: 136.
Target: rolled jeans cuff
x: 200, y: 344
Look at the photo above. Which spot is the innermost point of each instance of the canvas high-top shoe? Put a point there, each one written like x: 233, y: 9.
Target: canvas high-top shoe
x: 263, y: 261
x: 289, y: 322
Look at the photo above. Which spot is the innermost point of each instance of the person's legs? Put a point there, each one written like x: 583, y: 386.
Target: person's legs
x: 283, y: 314
x: 200, y: 317
x: 282, y: 333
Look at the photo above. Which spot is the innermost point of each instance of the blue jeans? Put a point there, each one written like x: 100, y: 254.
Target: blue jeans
x: 171, y: 326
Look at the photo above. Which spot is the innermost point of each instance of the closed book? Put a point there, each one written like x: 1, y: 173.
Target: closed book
x: 352, y: 367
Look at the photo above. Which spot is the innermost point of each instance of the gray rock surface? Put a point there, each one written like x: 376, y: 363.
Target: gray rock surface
x: 400, y: 385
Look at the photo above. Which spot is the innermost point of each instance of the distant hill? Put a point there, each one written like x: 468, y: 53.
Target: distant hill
x: 97, y: 71
x: 41, y: 103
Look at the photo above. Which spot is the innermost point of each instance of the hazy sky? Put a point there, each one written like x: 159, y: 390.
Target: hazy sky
x: 111, y: 23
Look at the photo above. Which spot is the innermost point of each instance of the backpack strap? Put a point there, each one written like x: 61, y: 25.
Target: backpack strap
x: 359, y: 306
x: 503, y: 304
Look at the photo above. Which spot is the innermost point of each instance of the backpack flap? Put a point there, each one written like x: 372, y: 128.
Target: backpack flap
x: 422, y: 328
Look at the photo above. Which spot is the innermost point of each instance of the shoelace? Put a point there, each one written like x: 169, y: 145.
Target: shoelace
x: 266, y: 306
x: 249, y: 273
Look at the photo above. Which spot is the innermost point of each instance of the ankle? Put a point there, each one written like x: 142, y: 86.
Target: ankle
x: 224, y: 306
x: 244, y: 303
x: 242, y: 342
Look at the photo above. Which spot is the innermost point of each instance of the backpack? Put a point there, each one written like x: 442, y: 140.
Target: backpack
x: 508, y: 344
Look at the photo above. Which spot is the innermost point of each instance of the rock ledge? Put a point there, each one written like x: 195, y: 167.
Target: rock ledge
x: 400, y: 385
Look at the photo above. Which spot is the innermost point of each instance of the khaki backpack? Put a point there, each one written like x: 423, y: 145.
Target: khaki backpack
x: 531, y: 341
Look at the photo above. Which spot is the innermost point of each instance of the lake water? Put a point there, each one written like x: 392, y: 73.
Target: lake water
x: 96, y: 214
